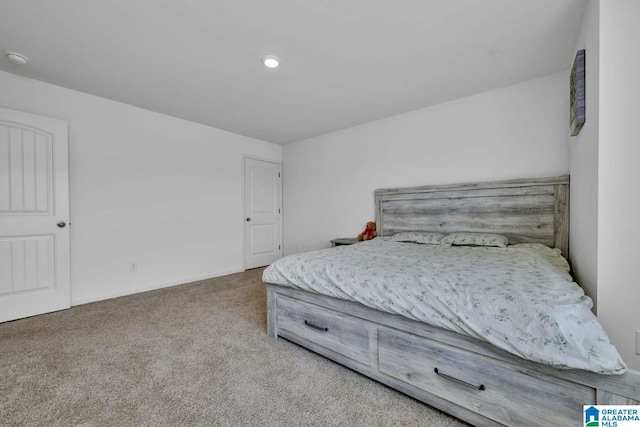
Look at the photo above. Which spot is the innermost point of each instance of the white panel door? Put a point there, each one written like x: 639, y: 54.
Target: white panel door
x: 262, y: 205
x: 34, y: 212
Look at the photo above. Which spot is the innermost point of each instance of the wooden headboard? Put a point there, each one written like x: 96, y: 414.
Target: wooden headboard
x: 525, y: 210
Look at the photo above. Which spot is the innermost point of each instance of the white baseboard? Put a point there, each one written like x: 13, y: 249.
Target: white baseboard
x: 85, y: 300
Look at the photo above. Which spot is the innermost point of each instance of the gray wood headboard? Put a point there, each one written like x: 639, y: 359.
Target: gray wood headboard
x: 525, y: 210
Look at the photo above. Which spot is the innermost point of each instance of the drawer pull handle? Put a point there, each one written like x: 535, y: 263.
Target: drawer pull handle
x: 457, y: 381
x: 311, y: 325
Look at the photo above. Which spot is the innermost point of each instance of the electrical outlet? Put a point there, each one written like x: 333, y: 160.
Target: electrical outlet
x: 297, y: 248
x: 638, y: 342
x: 133, y: 267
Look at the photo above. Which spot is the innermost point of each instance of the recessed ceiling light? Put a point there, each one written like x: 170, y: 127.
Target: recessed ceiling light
x: 17, y: 58
x: 271, y: 61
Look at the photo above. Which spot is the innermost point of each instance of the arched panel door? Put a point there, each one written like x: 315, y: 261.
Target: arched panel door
x: 262, y: 205
x: 34, y: 215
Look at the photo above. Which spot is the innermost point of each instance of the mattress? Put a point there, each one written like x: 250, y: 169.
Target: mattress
x: 521, y: 298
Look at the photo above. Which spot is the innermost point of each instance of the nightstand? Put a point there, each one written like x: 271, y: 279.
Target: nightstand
x: 341, y: 241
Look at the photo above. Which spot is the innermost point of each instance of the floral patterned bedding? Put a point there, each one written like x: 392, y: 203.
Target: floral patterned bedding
x: 521, y: 298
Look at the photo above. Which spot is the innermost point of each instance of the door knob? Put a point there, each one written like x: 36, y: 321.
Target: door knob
x: 248, y: 219
x: 61, y: 224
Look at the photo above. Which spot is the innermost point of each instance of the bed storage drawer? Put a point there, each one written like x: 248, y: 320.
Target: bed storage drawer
x: 325, y: 327
x: 496, y: 389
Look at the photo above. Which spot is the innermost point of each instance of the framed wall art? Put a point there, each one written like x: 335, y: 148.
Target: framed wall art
x: 577, y: 89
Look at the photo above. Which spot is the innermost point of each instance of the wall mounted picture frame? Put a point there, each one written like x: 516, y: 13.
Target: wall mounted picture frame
x: 577, y: 92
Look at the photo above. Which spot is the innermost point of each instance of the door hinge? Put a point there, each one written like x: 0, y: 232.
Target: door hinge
x: 278, y: 210
x: 278, y: 247
x: 278, y: 174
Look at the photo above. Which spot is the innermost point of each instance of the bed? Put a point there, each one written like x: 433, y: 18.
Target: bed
x: 457, y: 370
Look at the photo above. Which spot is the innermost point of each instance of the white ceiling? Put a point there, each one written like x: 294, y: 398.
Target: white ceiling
x: 344, y: 62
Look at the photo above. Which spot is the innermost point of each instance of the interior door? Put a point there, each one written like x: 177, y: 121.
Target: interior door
x: 34, y: 212
x: 262, y: 205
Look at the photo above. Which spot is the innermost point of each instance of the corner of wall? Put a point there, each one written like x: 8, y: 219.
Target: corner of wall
x: 583, y: 164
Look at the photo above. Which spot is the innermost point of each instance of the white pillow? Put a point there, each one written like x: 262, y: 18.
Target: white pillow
x: 476, y: 239
x: 422, y: 237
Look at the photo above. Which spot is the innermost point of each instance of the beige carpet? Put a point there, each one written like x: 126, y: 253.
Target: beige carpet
x: 195, y: 354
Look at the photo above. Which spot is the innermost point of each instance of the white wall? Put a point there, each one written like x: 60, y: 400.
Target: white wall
x: 515, y: 132
x: 145, y: 187
x: 619, y: 176
x: 583, y: 164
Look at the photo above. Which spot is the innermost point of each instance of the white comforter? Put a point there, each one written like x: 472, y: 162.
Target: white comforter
x: 520, y: 298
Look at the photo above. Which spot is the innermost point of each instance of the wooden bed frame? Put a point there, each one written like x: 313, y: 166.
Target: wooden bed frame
x: 463, y: 376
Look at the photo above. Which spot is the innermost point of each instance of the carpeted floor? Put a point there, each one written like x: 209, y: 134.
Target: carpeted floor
x: 195, y: 354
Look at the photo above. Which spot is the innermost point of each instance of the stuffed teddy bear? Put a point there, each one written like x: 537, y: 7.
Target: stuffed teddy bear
x: 369, y: 232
